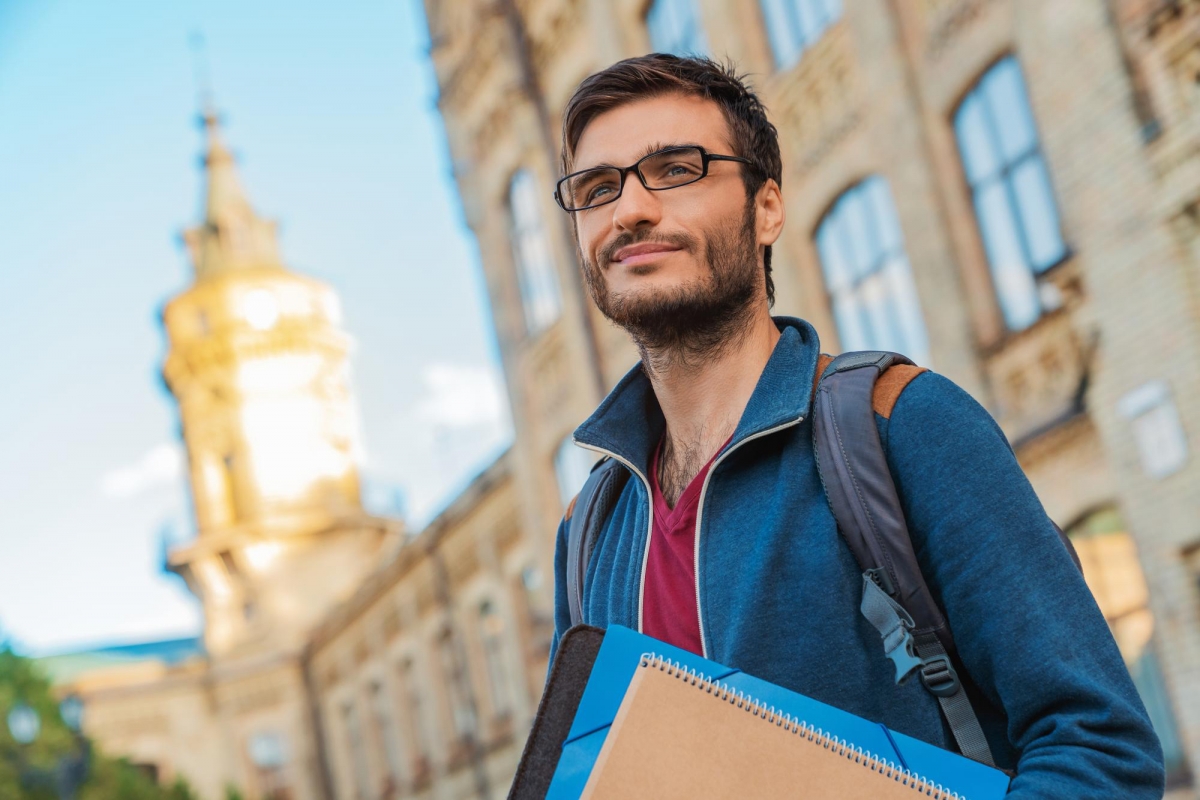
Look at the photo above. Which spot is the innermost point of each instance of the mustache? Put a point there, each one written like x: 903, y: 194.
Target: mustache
x: 683, y: 241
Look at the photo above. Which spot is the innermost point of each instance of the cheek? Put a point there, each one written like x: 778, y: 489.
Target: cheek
x: 592, y: 239
x: 710, y: 214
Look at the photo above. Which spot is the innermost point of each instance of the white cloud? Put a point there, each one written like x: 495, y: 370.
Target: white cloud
x: 458, y: 422
x: 458, y: 396
x: 161, y: 465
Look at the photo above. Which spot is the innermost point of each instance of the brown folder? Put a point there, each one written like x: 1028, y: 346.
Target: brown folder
x: 676, y: 736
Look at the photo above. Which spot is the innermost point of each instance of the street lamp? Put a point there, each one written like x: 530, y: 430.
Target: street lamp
x: 268, y: 753
x: 24, y: 723
x: 71, y: 711
x: 71, y: 770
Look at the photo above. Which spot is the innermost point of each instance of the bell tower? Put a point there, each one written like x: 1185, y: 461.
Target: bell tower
x: 259, y: 366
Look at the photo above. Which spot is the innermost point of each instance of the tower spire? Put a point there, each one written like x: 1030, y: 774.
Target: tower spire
x: 224, y: 197
x: 230, y: 235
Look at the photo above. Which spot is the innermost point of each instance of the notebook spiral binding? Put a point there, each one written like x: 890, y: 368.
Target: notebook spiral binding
x: 799, y: 727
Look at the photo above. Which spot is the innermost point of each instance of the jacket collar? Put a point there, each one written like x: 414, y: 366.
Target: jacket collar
x: 629, y: 423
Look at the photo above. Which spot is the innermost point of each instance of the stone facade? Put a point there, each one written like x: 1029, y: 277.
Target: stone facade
x: 427, y: 680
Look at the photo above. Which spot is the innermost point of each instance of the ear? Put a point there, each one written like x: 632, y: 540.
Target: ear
x: 769, y: 214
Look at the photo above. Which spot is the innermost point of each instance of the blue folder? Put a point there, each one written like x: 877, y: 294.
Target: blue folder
x: 619, y: 657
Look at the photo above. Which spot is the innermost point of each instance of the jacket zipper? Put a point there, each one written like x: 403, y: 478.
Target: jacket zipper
x: 649, y: 527
x: 699, y: 519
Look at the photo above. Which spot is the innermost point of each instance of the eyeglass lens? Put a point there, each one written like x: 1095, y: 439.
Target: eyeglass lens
x: 663, y: 170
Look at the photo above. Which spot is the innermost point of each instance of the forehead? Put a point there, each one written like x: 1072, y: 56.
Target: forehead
x: 624, y: 134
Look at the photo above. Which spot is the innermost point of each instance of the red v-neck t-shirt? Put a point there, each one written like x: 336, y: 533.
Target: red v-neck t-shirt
x: 669, y: 599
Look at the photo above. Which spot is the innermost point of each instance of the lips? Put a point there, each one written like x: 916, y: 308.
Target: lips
x: 642, y: 253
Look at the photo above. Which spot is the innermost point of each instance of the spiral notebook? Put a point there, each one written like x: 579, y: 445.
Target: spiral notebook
x: 610, y: 683
x: 680, y: 735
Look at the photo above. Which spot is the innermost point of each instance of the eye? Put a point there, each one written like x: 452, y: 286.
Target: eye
x: 591, y: 188
x: 672, y: 169
x: 599, y: 191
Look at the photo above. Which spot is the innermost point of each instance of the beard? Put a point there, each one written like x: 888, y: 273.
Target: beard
x: 698, y: 319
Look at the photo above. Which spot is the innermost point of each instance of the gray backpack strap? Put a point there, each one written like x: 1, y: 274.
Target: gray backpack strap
x: 592, y: 506
x: 858, y: 484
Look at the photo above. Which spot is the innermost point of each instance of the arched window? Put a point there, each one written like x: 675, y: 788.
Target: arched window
x: 358, y: 753
x: 457, y: 677
x: 537, y: 617
x: 675, y: 28
x: 867, y: 273
x: 412, y: 712
x: 540, y: 297
x: 1113, y: 572
x: 795, y: 25
x: 383, y: 731
x: 572, y: 465
x: 491, y: 634
x: 1014, y: 204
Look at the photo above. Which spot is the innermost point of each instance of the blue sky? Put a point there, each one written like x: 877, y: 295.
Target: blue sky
x: 330, y: 108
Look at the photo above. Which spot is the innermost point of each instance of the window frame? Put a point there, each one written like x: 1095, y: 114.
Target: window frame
x: 1003, y: 174
x: 537, y: 283
x: 352, y: 725
x: 696, y: 34
x: 880, y: 256
x: 825, y: 14
x: 501, y: 695
x: 412, y: 706
x: 453, y: 659
x: 1106, y: 520
x: 384, y: 735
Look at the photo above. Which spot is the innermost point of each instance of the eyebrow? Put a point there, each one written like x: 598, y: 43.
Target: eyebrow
x: 653, y: 147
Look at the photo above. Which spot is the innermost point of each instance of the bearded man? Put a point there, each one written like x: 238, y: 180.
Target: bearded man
x: 723, y: 542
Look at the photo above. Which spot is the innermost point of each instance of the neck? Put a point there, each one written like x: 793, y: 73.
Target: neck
x: 703, y: 399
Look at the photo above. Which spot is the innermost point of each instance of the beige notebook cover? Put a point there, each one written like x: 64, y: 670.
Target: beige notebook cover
x: 678, y: 737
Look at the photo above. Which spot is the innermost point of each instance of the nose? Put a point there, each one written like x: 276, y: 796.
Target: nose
x: 637, y: 206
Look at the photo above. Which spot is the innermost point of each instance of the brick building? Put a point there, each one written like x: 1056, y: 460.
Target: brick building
x: 1004, y: 189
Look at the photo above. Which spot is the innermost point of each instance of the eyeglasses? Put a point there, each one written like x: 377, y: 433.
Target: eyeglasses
x: 661, y: 170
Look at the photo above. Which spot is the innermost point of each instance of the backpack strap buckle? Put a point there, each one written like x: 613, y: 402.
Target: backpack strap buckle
x: 894, y: 626
x: 939, y: 677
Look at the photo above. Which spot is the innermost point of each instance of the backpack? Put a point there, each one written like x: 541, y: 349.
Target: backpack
x: 862, y: 495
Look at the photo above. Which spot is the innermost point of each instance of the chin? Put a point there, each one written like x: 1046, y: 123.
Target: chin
x: 651, y: 278
x: 658, y: 291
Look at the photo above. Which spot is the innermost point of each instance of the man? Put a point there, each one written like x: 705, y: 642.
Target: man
x: 723, y: 542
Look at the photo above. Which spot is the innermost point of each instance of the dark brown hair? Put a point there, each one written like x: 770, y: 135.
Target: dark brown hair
x: 753, y: 136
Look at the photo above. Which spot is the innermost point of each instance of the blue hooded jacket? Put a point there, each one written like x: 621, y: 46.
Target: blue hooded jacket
x: 778, y: 589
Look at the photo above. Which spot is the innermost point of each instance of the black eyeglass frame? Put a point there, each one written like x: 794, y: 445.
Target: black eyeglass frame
x: 705, y: 157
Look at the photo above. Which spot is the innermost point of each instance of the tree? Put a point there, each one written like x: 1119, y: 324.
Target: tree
x: 21, y: 681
